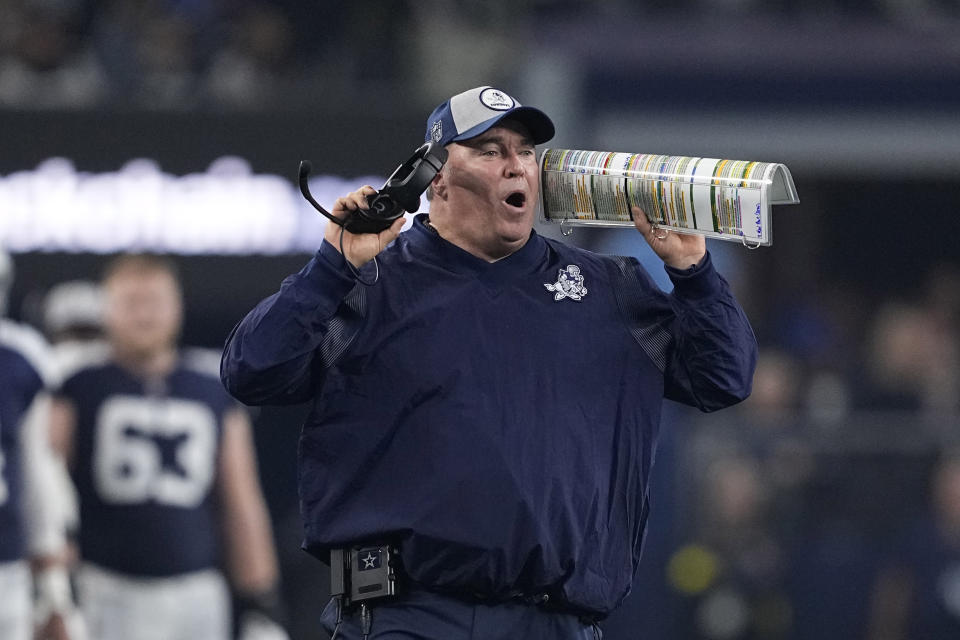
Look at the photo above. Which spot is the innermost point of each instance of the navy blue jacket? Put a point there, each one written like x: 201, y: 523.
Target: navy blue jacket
x: 498, y: 419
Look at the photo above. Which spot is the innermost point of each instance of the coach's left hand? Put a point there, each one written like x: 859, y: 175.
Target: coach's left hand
x: 678, y: 250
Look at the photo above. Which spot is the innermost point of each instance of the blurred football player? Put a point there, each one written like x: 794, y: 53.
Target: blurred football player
x: 165, y: 470
x: 31, y: 520
x: 73, y: 324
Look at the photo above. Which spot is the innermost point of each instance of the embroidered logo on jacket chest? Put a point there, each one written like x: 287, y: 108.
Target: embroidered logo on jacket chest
x: 569, y: 284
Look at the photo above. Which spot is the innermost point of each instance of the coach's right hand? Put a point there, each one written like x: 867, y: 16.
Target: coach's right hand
x: 359, y: 248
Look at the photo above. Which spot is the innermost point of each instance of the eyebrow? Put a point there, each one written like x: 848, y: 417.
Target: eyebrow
x: 496, y: 139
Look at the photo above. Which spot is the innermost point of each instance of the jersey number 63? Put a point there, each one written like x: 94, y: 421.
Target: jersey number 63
x: 154, y: 449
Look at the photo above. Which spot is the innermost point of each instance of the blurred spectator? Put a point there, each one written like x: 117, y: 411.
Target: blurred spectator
x: 911, y: 362
x: 768, y: 428
x: 776, y: 386
x: 155, y: 50
x: 827, y: 399
x: 917, y: 595
x: 166, y: 56
x: 246, y: 71
x: 170, y: 54
x: 478, y: 40
x: 732, y: 577
x: 45, y: 59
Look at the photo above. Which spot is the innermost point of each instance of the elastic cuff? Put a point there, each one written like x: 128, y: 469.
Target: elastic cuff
x: 329, y: 266
x: 698, y: 282
x: 332, y: 256
x: 321, y: 285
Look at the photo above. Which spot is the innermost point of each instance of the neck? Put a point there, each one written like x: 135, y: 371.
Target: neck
x: 493, y: 253
x: 147, y: 363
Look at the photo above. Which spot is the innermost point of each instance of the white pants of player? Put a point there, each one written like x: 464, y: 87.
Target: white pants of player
x: 16, y: 584
x: 192, y: 606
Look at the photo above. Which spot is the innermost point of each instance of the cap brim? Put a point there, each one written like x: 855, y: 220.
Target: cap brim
x: 537, y: 123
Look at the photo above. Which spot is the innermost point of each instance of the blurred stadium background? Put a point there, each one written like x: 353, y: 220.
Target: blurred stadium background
x: 177, y: 126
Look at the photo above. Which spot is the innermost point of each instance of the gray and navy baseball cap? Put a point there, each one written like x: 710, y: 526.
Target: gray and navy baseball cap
x: 472, y: 112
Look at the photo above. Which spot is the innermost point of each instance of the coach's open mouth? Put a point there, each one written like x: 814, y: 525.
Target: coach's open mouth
x: 516, y: 199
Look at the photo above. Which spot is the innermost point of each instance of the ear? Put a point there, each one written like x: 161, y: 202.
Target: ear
x: 439, y: 185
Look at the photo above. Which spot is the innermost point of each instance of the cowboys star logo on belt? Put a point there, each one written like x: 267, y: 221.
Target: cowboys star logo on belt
x: 569, y: 284
x: 368, y: 559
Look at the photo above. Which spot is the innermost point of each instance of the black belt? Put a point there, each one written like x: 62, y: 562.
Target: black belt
x: 346, y: 557
x: 540, y: 599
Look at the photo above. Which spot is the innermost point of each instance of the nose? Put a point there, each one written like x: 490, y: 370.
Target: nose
x: 515, y: 167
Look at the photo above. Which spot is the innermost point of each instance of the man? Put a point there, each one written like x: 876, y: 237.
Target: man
x: 490, y: 405
x: 164, y: 467
x: 73, y: 325
x: 32, y: 530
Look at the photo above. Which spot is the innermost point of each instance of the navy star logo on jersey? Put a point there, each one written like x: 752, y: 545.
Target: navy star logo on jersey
x: 569, y: 284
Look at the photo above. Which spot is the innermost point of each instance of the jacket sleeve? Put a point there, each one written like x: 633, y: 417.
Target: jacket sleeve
x: 697, y: 336
x: 275, y: 354
x: 714, y: 350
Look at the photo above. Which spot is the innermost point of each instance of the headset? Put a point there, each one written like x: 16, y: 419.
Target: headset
x: 401, y: 192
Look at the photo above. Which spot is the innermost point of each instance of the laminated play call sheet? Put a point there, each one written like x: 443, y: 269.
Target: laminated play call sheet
x: 724, y: 199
